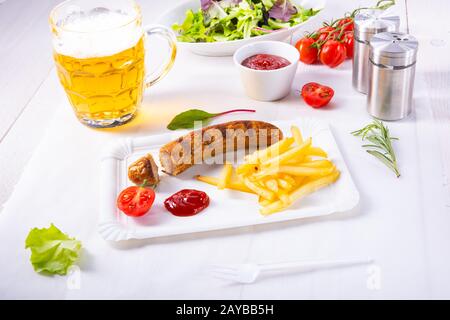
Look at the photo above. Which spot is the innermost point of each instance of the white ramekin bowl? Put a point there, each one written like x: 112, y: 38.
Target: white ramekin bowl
x: 267, y: 85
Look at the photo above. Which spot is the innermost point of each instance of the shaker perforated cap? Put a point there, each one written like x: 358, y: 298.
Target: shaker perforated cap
x: 371, y: 21
x: 393, y: 49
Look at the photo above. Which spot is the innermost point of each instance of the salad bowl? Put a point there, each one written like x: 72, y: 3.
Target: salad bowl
x: 177, y: 15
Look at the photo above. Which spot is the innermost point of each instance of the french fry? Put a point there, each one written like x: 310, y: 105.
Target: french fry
x: 239, y: 187
x: 305, y: 171
x: 260, y: 183
x: 299, y: 180
x: 266, y: 172
x: 313, y: 186
x: 247, y: 168
x: 274, y: 150
x: 225, y: 176
x: 302, y: 169
x: 263, y: 192
x: 317, y: 152
x: 307, y: 159
x: 264, y: 202
x: 308, y: 156
x: 285, y: 199
x: 207, y: 179
x: 284, y: 184
x: 288, y: 178
x: 297, y: 135
x: 272, y: 208
x: 317, y: 164
x: 236, y: 184
x: 272, y: 185
x: 231, y: 185
x: 298, y: 160
x: 293, y: 153
x: 300, y: 193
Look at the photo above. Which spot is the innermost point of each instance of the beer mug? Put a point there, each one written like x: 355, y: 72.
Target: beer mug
x: 99, y: 54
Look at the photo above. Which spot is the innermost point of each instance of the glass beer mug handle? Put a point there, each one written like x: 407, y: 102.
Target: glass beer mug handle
x: 169, y: 36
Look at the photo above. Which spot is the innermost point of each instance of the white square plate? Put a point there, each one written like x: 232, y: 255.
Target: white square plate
x: 227, y: 209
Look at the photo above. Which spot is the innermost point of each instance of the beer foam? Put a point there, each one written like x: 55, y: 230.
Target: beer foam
x: 99, y: 33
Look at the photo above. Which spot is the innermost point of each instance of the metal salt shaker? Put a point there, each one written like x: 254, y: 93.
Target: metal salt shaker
x: 367, y: 23
x: 391, y: 75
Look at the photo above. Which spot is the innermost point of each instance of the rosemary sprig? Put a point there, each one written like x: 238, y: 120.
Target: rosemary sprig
x: 380, y: 145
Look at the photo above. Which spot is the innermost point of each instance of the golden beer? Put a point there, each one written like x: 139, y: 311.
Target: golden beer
x: 100, y: 58
x: 103, y: 88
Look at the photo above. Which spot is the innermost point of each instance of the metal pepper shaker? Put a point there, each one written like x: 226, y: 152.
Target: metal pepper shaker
x: 366, y: 24
x: 392, y: 64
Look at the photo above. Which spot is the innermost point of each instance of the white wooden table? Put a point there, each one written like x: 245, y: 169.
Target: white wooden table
x: 417, y: 263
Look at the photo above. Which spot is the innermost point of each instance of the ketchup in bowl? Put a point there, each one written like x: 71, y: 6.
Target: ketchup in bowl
x: 187, y: 202
x: 265, y: 62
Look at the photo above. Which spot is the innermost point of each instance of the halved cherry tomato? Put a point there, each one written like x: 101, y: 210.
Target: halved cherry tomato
x: 333, y: 53
x: 346, y: 24
x: 135, y: 201
x: 349, y: 42
x: 317, y: 95
x: 308, y: 54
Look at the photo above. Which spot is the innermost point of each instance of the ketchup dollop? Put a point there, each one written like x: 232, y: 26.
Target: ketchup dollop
x: 187, y: 202
x: 265, y: 62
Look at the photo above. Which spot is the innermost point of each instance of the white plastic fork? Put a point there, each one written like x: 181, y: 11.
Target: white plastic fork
x: 248, y: 273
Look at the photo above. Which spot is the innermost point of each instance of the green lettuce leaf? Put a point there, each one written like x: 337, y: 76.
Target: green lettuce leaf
x: 52, y: 251
x: 229, y: 20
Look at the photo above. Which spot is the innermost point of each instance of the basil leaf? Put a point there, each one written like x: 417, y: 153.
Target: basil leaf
x: 186, y: 119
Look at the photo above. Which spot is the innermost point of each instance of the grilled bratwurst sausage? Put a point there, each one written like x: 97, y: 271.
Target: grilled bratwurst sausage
x: 144, y: 170
x: 199, y: 145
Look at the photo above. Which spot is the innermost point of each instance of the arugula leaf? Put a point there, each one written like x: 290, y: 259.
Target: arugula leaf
x: 52, y: 251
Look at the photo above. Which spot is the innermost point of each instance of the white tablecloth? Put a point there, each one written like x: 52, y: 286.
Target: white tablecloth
x: 61, y: 185
x: 402, y: 223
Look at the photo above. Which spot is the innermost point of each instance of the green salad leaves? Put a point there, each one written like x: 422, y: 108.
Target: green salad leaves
x: 52, y: 251
x: 227, y: 20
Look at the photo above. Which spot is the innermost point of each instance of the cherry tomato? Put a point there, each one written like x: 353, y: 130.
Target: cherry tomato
x: 317, y: 95
x: 308, y: 54
x: 326, y: 29
x: 135, y: 201
x: 325, y: 36
x: 326, y: 33
x: 346, y: 24
x: 333, y: 53
x: 349, y: 42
